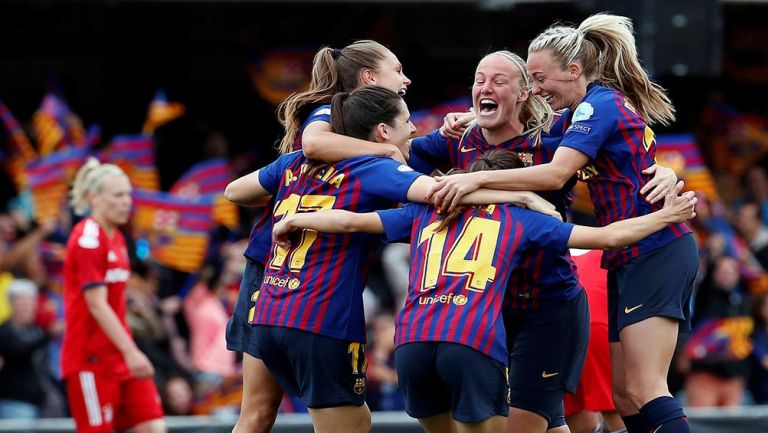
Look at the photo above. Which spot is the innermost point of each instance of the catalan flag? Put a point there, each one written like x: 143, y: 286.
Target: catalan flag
x: 681, y: 153
x: 48, y: 184
x: 49, y: 123
x: 177, y: 228
x: 135, y: 154
x: 161, y: 112
x: 210, y: 178
x: 724, y: 339
x: 21, y: 150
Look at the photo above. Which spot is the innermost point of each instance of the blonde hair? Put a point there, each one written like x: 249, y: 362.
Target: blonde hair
x: 604, y: 46
x: 536, y: 114
x: 90, y: 178
x: 333, y: 71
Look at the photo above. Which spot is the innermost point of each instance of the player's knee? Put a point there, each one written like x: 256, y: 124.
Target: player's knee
x: 153, y: 426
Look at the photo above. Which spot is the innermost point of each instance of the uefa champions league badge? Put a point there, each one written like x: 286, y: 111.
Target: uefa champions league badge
x: 583, y: 112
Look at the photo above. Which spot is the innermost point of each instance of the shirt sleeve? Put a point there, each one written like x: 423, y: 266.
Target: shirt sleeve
x: 398, y: 223
x: 90, y: 254
x: 320, y: 114
x: 591, y: 125
x: 544, y: 231
x: 271, y: 175
x: 387, y: 178
x: 429, y: 152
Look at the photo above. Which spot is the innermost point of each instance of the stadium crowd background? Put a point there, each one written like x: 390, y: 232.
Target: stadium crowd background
x: 224, y: 67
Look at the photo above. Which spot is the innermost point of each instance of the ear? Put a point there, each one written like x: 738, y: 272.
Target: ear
x: 382, y: 132
x: 574, y: 70
x: 524, y: 92
x: 368, y: 77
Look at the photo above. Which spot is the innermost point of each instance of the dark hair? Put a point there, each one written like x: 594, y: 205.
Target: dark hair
x: 497, y: 159
x: 356, y: 114
x: 333, y: 70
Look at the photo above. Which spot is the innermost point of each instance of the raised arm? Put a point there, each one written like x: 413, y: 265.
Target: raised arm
x: 422, y: 185
x: 247, y: 191
x: 676, y: 209
x: 318, y: 142
x: 448, y: 190
x: 329, y: 221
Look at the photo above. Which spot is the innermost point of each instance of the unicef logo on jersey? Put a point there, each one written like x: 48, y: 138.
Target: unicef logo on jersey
x: 583, y: 112
x: 449, y: 298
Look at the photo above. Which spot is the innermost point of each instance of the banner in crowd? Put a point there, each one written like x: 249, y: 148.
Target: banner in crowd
x: 161, y: 111
x: 57, y: 126
x: 20, y: 151
x: 135, y: 154
x: 176, y: 228
x: 279, y: 73
x: 48, y: 180
x: 724, y: 339
x: 738, y: 140
x: 210, y: 178
x: 427, y: 120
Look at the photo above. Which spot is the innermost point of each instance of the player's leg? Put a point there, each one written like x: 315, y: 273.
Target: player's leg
x: 139, y: 408
x: 584, y: 421
x: 262, y: 395
x: 341, y: 419
x: 91, y: 401
x: 153, y: 426
x: 494, y: 424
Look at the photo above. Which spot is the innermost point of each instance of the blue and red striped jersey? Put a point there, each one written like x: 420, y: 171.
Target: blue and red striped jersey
x: 317, y: 285
x: 459, y: 275
x: 544, y: 277
x: 606, y: 128
x: 261, y: 233
x: 433, y: 150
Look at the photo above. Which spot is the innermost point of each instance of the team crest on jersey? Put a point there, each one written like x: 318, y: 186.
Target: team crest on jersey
x: 90, y: 237
x: 459, y: 300
x: 526, y: 157
x: 359, y: 387
x: 583, y: 112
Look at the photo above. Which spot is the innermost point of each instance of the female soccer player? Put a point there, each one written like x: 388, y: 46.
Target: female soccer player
x: 109, y: 380
x: 451, y: 348
x: 594, y: 70
x: 310, y: 331
x: 306, y: 119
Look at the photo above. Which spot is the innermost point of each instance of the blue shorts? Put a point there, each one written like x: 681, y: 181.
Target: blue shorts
x: 547, y: 349
x: 658, y: 283
x: 321, y: 371
x: 239, y: 333
x: 437, y: 377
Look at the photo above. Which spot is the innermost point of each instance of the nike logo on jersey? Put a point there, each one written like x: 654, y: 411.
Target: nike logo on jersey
x: 545, y: 375
x: 463, y: 149
x: 628, y: 310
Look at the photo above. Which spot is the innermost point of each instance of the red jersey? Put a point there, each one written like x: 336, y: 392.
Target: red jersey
x: 595, y: 282
x: 93, y: 259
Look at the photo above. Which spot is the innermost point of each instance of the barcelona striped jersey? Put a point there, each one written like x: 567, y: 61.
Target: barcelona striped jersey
x: 606, y: 128
x: 459, y: 275
x: 543, y: 277
x: 261, y: 233
x: 317, y: 284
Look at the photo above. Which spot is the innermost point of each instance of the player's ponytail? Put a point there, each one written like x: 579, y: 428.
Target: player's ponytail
x: 90, y: 177
x: 497, y: 159
x: 333, y: 70
x: 604, y: 46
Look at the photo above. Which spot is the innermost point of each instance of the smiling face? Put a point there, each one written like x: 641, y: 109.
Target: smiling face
x: 389, y: 74
x: 560, y: 88
x: 401, y: 129
x: 497, y: 93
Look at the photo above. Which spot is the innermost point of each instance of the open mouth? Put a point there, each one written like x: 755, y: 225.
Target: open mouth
x: 548, y: 98
x: 488, y: 106
x: 401, y: 92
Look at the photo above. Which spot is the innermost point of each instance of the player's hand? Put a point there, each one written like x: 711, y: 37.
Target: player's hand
x: 680, y: 208
x: 662, y: 184
x: 454, y: 124
x: 448, y: 190
x: 281, y: 233
x: 139, y: 364
x: 537, y: 203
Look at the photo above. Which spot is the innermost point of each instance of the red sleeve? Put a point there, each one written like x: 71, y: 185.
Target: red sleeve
x: 89, y: 251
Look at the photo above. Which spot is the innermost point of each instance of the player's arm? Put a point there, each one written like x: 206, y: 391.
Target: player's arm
x: 102, y: 312
x: 421, y: 187
x: 448, y: 191
x: 676, y: 209
x: 318, y: 142
x: 247, y: 191
x: 328, y: 221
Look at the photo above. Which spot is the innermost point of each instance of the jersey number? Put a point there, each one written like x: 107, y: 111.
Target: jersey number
x: 470, y: 255
x: 293, y: 204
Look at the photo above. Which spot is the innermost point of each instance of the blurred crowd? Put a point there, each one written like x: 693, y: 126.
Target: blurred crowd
x: 178, y: 319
